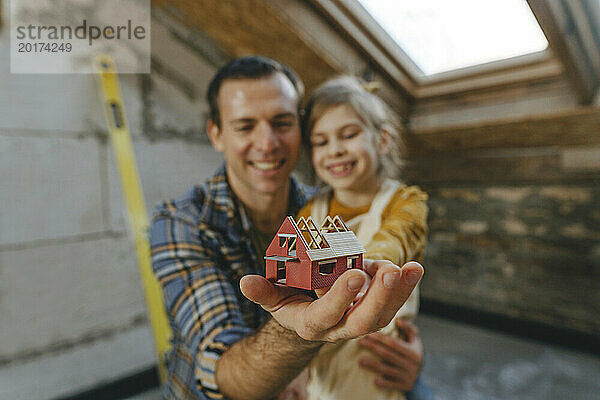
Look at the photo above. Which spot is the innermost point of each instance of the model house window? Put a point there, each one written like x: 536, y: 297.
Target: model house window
x: 326, y: 267
x: 287, y: 240
x: 351, y: 262
x: 292, y: 243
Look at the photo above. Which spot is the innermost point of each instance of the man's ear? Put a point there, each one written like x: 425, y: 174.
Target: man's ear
x: 384, y: 141
x: 215, y: 135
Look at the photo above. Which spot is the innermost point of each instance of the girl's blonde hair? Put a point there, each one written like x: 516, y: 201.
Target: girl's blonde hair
x: 373, y: 112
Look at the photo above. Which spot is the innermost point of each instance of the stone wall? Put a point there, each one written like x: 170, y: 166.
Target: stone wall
x: 516, y: 232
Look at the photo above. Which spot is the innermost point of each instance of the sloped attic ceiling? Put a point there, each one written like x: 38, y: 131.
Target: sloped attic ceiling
x: 321, y: 38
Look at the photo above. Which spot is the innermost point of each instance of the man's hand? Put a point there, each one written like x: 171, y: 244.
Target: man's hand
x: 401, y: 358
x: 335, y: 315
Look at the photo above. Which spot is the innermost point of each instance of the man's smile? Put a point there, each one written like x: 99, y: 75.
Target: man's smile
x: 267, y: 166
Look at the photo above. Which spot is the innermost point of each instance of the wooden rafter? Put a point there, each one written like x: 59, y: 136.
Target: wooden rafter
x: 334, y: 224
x: 317, y: 241
x: 565, y: 128
x: 557, y: 18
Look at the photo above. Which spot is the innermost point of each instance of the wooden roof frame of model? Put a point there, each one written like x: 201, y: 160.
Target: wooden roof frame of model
x: 314, y: 238
x: 317, y: 240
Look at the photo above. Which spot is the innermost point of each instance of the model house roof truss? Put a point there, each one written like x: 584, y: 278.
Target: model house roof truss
x: 332, y: 239
x: 313, y: 236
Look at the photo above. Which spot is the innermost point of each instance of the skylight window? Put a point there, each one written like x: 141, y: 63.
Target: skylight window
x: 442, y: 35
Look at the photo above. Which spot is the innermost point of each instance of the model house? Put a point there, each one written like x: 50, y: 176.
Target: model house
x: 305, y: 256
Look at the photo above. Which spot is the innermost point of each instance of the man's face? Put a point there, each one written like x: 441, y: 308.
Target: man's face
x: 259, y: 134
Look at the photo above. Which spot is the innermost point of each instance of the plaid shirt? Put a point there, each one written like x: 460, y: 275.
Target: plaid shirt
x: 201, y: 248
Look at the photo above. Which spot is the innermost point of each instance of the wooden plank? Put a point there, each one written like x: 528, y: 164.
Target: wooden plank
x: 509, y: 76
x: 567, y: 128
x: 548, y: 96
x: 556, y: 22
x: 524, y: 166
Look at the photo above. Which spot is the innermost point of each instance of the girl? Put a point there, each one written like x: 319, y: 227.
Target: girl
x: 355, y: 148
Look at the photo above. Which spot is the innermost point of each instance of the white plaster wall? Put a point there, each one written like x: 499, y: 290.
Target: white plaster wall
x: 57, y: 104
x: 167, y: 170
x: 57, y: 294
x: 51, y: 185
x: 61, y: 373
x: 72, y: 312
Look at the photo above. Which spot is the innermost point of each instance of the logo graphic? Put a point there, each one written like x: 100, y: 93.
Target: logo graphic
x: 64, y: 36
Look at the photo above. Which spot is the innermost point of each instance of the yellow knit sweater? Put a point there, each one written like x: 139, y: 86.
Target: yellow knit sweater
x: 335, y: 372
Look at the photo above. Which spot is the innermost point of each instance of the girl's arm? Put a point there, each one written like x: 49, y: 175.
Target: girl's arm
x: 403, y: 232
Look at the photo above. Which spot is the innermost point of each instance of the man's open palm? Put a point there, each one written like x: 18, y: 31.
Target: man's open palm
x: 335, y: 315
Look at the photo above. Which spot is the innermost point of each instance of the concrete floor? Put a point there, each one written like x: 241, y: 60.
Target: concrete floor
x: 468, y: 363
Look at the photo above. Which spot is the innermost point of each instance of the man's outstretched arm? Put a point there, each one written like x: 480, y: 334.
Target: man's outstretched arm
x: 263, y: 364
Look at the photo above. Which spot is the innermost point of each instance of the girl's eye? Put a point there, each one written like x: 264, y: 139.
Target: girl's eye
x: 318, y: 143
x: 350, y: 134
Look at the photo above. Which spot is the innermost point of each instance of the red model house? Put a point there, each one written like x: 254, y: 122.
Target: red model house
x: 304, y: 256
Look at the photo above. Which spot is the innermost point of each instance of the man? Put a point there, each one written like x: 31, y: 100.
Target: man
x: 207, y: 252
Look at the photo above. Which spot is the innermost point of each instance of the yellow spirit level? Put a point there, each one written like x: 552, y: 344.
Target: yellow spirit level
x: 134, y: 197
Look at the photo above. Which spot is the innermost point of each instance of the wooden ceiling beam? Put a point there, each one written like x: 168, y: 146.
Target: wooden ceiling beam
x: 493, y: 167
x: 511, y: 75
x: 558, y: 21
x: 568, y: 128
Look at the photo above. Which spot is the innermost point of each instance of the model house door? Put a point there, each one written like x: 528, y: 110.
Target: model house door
x: 280, y: 270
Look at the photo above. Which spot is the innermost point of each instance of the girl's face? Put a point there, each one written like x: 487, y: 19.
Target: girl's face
x: 344, y: 150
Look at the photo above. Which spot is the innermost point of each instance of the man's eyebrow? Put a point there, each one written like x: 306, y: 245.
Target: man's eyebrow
x: 242, y: 121
x: 285, y: 115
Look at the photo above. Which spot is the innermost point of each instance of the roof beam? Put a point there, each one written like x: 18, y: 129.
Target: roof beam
x: 540, y: 67
x: 568, y: 31
x: 541, y: 165
x: 567, y: 128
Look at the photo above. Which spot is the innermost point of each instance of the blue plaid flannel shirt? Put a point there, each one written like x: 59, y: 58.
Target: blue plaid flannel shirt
x: 201, y: 248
